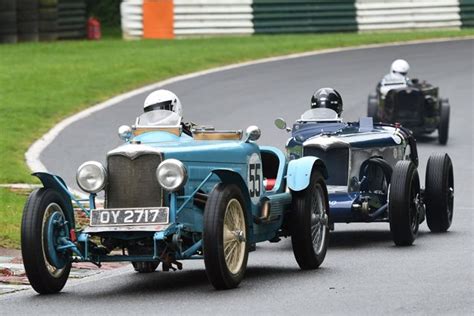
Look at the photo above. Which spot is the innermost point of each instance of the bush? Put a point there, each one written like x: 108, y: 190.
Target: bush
x: 107, y: 11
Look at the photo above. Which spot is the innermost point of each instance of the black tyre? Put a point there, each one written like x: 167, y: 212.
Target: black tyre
x: 145, y: 266
x: 439, y: 192
x: 44, y: 206
x: 443, y: 128
x: 309, y: 223
x: 225, y: 234
x: 48, y: 14
x: 372, y: 106
x: 8, y: 39
x: 403, y: 204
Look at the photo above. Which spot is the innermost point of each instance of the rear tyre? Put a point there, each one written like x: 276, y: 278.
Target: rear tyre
x: 309, y: 223
x: 225, y: 242
x: 46, y: 269
x: 443, y: 129
x: 372, y: 105
x: 439, y: 192
x: 403, y: 204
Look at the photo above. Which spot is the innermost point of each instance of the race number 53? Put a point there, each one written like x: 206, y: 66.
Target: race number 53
x: 255, y: 176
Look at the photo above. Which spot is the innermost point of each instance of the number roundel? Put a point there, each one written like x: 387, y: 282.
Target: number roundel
x: 255, y: 177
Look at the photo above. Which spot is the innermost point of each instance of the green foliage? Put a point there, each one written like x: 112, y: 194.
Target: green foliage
x: 107, y: 11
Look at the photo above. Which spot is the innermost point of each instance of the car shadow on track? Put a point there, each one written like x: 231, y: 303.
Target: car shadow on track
x: 187, y: 282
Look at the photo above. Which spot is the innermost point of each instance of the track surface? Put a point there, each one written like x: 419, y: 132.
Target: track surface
x: 363, y: 272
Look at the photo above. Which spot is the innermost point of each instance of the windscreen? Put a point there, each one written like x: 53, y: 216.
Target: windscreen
x: 159, y: 118
x: 320, y: 114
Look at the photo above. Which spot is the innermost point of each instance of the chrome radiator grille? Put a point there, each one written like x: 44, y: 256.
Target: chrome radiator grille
x: 336, y: 161
x: 132, y: 182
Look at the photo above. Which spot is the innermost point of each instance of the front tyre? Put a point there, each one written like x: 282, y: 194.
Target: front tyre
x: 404, y: 202
x: 439, y: 192
x: 225, y: 241
x: 310, y: 224
x: 43, y: 223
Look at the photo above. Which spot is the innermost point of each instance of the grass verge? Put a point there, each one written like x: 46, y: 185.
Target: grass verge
x: 42, y: 83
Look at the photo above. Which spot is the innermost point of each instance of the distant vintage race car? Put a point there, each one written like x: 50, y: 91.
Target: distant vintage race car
x: 416, y: 106
x: 372, y: 173
x: 170, y: 197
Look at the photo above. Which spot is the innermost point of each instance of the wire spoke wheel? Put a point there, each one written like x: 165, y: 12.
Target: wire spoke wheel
x: 225, y: 243
x: 234, y: 236
x: 309, y: 223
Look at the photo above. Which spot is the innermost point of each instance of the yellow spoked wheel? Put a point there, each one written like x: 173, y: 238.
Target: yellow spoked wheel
x: 234, y: 236
x: 225, y: 243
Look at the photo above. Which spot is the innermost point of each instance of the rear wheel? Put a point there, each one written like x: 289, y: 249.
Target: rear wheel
x: 439, y: 192
x: 43, y: 223
x: 225, y: 243
x: 404, y: 201
x: 310, y: 224
x: 443, y: 128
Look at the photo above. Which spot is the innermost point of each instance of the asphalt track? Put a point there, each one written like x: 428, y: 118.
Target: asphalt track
x: 363, y: 272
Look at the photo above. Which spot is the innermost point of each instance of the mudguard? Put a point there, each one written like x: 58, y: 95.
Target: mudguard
x: 299, y: 172
x: 56, y: 183
x: 230, y: 176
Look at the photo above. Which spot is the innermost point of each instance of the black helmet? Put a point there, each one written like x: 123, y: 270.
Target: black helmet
x: 327, y: 98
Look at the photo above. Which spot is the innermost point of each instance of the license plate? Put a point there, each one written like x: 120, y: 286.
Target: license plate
x: 130, y: 216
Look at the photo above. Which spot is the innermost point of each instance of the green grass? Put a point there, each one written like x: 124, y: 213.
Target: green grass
x: 40, y: 84
x: 11, y: 205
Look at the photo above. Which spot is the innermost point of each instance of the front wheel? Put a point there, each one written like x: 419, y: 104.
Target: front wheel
x: 225, y: 237
x: 439, y: 192
x: 43, y: 224
x: 403, y: 203
x: 310, y: 224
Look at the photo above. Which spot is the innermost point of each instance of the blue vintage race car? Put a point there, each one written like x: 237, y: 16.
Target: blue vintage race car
x: 171, y: 197
x: 372, y: 173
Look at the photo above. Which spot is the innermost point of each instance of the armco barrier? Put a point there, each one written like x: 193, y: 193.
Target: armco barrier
x: 199, y: 17
x: 132, y: 18
x: 170, y: 18
x: 299, y: 16
x: 467, y: 12
x: 407, y: 14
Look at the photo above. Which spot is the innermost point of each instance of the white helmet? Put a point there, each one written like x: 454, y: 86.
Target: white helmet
x: 163, y: 100
x: 400, y: 66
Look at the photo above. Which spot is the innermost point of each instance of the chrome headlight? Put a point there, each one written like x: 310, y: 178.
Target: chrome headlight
x: 91, y: 176
x: 171, y: 174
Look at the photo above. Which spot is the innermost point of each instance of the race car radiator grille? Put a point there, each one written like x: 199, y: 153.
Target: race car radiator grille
x: 132, y: 182
x: 336, y: 161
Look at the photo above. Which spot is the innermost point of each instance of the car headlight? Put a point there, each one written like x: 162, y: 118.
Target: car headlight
x: 91, y: 176
x: 171, y: 174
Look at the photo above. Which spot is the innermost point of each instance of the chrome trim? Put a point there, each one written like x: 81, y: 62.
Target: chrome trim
x: 134, y: 151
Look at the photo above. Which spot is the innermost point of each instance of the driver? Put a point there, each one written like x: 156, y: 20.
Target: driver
x: 327, y: 98
x: 397, y: 78
x: 166, y: 100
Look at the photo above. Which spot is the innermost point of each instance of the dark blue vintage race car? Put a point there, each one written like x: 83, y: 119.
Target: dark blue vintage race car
x: 372, y: 173
x: 171, y: 197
